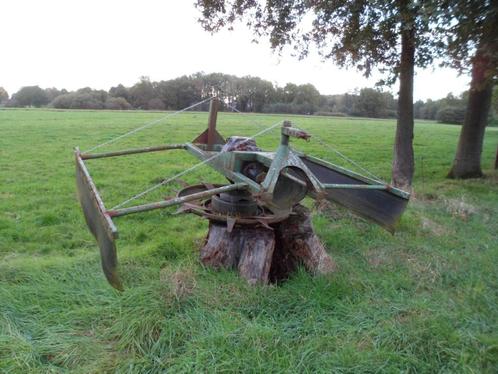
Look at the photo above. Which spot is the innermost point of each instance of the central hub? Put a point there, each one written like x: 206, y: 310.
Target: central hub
x: 235, y: 203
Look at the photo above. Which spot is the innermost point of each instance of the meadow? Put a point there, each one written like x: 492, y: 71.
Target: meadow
x: 422, y: 300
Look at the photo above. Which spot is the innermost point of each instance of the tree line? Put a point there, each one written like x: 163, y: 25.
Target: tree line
x: 245, y: 94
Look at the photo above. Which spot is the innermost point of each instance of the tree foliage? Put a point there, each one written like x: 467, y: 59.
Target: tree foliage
x: 31, y: 96
x: 357, y: 33
x: 4, y: 95
x: 472, y: 32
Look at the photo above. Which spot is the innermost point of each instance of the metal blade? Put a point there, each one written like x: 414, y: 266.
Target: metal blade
x: 383, y: 207
x: 99, y: 223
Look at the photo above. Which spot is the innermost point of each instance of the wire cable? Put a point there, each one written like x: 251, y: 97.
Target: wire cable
x: 149, y: 124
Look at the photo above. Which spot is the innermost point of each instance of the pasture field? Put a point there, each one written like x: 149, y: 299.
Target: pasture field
x: 423, y: 300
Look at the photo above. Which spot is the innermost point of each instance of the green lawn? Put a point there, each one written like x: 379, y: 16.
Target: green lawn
x: 423, y: 300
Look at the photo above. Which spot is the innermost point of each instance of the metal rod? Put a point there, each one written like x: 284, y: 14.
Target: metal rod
x: 213, y: 114
x: 175, y: 201
x: 355, y: 186
x: 165, y: 147
x: 293, y: 178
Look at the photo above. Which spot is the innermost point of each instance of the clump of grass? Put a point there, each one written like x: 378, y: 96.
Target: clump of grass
x: 460, y: 208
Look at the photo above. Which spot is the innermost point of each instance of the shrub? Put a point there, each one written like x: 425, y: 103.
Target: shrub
x: 11, y: 103
x: 453, y: 115
x: 78, y: 100
x: 117, y: 103
x: 331, y: 114
x: 290, y: 108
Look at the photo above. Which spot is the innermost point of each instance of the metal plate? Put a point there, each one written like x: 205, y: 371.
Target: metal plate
x: 99, y: 223
x: 380, y: 206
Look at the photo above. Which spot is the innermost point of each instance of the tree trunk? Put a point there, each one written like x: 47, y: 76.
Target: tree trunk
x: 467, y: 162
x: 403, y: 161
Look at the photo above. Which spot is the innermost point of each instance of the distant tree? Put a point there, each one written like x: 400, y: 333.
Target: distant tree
x: 473, y: 41
x: 329, y: 103
x: 53, y: 92
x: 307, y: 94
x: 187, y: 91
x: 4, y: 95
x: 431, y: 108
x: 418, y: 108
x: 218, y: 84
x: 346, y: 103
x: 31, y: 96
x: 141, y: 93
x: 254, y: 93
x: 120, y: 91
x: 289, y: 92
x: 371, y: 103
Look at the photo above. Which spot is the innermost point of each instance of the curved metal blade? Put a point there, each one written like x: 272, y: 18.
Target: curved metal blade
x: 383, y: 207
x: 99, y: 223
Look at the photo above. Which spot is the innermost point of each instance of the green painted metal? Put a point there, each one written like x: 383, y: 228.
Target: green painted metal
x: 355, y: 186
x: 351, y: 173
x: 175, y: 201
x: 164, y: 147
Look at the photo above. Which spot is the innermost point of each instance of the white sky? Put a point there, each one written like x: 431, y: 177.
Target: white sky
x: 78, y: 43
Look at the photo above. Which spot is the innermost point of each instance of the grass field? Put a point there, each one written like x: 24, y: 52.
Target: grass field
x: 423, y: 300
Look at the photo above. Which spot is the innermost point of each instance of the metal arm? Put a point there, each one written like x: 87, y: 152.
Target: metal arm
x: 164, y: 147
x: 175, y: 201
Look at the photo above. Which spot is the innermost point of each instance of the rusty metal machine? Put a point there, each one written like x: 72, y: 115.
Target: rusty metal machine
x: 263, y: 187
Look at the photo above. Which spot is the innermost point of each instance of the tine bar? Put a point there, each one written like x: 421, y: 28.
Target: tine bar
x: 165, y: 147
x: 175, y: 201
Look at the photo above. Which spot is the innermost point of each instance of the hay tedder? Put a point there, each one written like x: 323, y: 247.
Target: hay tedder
x: 262, y: 190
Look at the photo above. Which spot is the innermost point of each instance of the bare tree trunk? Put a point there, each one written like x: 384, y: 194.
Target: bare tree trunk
x: 467, y: 162
x: 403, y: 162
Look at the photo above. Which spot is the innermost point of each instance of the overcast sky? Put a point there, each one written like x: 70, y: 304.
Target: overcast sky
x: 74, y: 43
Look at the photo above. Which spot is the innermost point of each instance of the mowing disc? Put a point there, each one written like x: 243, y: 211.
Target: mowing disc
x: 204, y: 208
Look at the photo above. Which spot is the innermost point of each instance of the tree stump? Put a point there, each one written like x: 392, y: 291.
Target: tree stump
x: 249, y: 249
x: 261, y: 254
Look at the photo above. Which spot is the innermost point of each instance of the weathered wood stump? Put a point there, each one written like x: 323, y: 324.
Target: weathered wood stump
x: 261, y: 255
